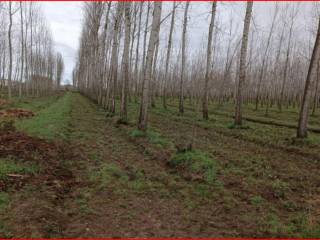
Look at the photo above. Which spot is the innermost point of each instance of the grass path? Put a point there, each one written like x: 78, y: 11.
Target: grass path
x: 130, y: 194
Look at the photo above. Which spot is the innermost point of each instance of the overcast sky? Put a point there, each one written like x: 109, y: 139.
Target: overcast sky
x: 64, y: 19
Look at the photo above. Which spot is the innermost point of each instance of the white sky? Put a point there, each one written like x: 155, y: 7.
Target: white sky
x: 64, y: 19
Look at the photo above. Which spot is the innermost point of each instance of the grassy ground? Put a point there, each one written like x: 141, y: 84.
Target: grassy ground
x: 103, y: 179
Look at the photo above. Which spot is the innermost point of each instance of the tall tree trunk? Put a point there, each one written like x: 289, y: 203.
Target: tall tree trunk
x: 205, y: 112
x: 145, y: 44
x: 10, y: 50
x: 242, y: 67
x: 22, y: 50
x: 102, y: 55
x: 114, y: 56
x: 183, y: 58
x: 153, y: 75
x: 133, y: 33
x: 154, y: 38
x: 316, y: 97
x: 164, y: 101
x: 302, y: 131
x: 125, y: 64
x: 136, y: 66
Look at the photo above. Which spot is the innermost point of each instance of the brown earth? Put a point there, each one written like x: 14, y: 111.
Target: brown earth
x: 16, y: 113
x: 51, y: 185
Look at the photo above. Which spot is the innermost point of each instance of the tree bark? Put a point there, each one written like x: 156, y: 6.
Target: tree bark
x: 316, y: 97
x: 183, y: 58
x: 242, y: 67
x: 302, y: 131
x: 10, y: 50
x: 154, y: 38
x: 125, y: 64
x: 205, y: 112
x: 136, y: 66
x: 22, y: 51
x: 164, y: 97
x: 114, y: 57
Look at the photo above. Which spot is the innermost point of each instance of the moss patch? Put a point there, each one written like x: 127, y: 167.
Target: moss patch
x: 197, y: 163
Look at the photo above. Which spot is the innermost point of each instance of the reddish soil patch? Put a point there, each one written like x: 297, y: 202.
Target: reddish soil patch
x: 54, y: 182
x: 25, y: 147
x: 16, y: 113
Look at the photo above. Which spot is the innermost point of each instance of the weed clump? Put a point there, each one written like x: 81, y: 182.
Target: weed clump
x: 108, y: 173
x: 10, y: 167
x: 280, y: 188
x: 137, y: 133
x: 257, y: 201
x: 152, y: 137
x: 196, y: 165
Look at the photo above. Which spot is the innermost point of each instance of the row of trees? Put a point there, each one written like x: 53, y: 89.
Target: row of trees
x: 130, y: 51
x: 28, y: 62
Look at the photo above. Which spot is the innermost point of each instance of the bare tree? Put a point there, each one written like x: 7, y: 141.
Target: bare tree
x: 316, y: 97
x: 205, y: 112
x: 22, y: 50
x: 164, y: 101
x: 168, y: 55
x: 183, y: 58
x: 114, y: 56
x: 154, y: 38
x: 136, y: 66
x: 10, y: 50
x: 302, y: 130
x: 242, y: 65
x: 125, y: 64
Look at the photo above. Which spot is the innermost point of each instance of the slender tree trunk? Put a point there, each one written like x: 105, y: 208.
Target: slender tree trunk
x: 114, y: 56
x: 10, y: 50
x: 132, y: 80
x: 22, y: 51
x: 164, y: 101
x: 302, y: 131
x: 125, y: 64
x: 136, y: 67
x: 316, y: 97
x: 183, y: 58
x: 242, y: 67
x: 154, y: 38
x: 31, y: 51
x: 102, y: 56
x: 145, y: 44
x: 205, y: 112
x: 153, y: 75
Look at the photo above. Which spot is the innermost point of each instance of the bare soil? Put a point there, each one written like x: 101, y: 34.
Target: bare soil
x: 16, y: 113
